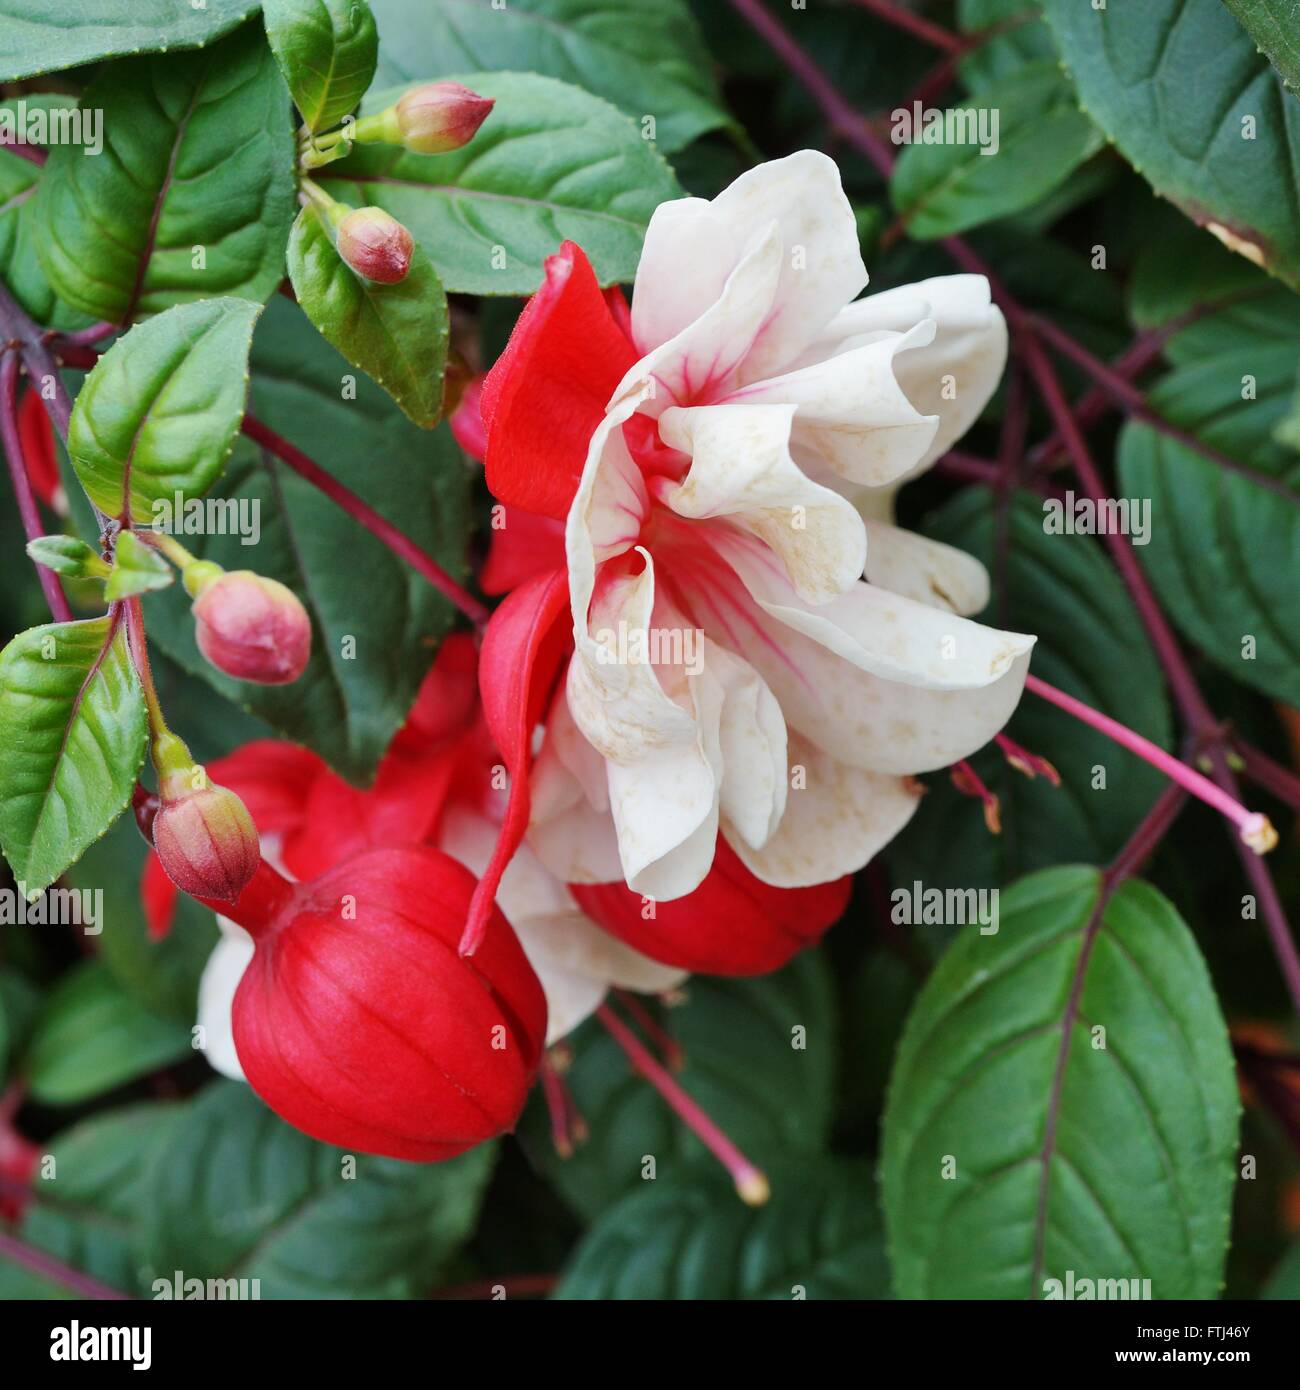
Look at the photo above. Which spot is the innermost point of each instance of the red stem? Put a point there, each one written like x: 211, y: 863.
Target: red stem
x: 265, y: 897
x: 22, y: 483
x: 366, y: 516
x: 1280, y: 781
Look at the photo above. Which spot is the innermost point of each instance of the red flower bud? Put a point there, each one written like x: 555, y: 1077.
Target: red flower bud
x: 732, y: 924
x: 376, y: 245
x: 358, y: 1022
x: 207, y: 842
x: 252, y: 628
x: 440, y: 116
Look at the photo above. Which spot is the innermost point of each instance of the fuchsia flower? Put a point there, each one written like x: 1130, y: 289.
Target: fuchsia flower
x: 704, y: 453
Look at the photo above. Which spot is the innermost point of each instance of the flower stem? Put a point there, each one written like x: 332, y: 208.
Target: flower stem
x: 366, y: 516
x: 22, y: 483
x: 1255, y: 829
x: 47, y: 1267
x: 140, y: 657
x: 751, y: 1183
x: 914, y: 24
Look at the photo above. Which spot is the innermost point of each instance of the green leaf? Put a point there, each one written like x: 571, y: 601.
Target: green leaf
x: 162, y: 975
x: 68, y: 555
x: 1143, y: 71
x: 1042, y: 136
x: 238, y: 1194
x: 137, y: 568
x: 1106, y: 1153
x: 193, y: 195
x: 1022, y: 38
x: 375, y: 621
x: 88, y: 1213
x: 20, y: 265
x: 1226, y: 529
x: 551, y: 162
x: 1275, y: 27
x: 93, y: 1036
x: 395, y: 333
x: 1092, y: 643
x: 648, y: 58
x: 66, y: 33
x: 326, y: 50
x: 72, y: 738
x: 743, y: 1066
x: 690, y: 1237
x: 159, y: 412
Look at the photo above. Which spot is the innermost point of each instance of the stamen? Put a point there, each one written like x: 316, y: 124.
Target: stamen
x: 1031, y: 764
x: 670, y: 1049
x: 968, y: 783
x: 1255, y: 829
x: 751, y: 1183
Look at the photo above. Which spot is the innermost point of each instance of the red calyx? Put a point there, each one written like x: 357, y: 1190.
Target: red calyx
x: 732, y: 924
x: 358, y: 1022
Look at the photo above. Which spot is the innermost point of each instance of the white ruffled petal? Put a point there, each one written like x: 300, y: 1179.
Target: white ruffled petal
x: 741, y: 470
x: 837, y: 818
x: 852, y: 412
x: 925, y: 570
x: 685, y: 261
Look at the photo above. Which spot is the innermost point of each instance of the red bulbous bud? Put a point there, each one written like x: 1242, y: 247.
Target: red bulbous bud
x: 376, y: 245
x: 440, y: 116
x: 359, y: 1023
x: 732, y: 924
x: 252, y: 628
x: 207, y: 842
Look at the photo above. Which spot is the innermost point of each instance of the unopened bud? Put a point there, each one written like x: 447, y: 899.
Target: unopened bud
x: 376, y: 245
x: 440, y: 116
x: 251, y: 627
x: 204, y: 836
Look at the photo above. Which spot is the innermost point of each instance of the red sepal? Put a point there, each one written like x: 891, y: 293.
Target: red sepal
x: 521, y: 652
x: 548, y: 391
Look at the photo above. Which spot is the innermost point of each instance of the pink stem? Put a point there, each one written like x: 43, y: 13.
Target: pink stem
x: 22, y: 484
x: 751, y: 1183
x: 366, y: 515
x: 1254, y: 828
x: 914, y: 24
x: 45, y: 1265
x: 673, y: 1055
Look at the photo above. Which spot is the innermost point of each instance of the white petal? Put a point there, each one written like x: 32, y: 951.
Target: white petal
x: 752, y: 736
x: 741, y: 469
x: 925, y: 570
x: 834, y: 823
x: 217, y: 986
x: 853, y: 412
x: 859, y: 717
x: 881, y: 632
x: 685, y: 260
x: 702, y: 362
x: 956, y: 374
